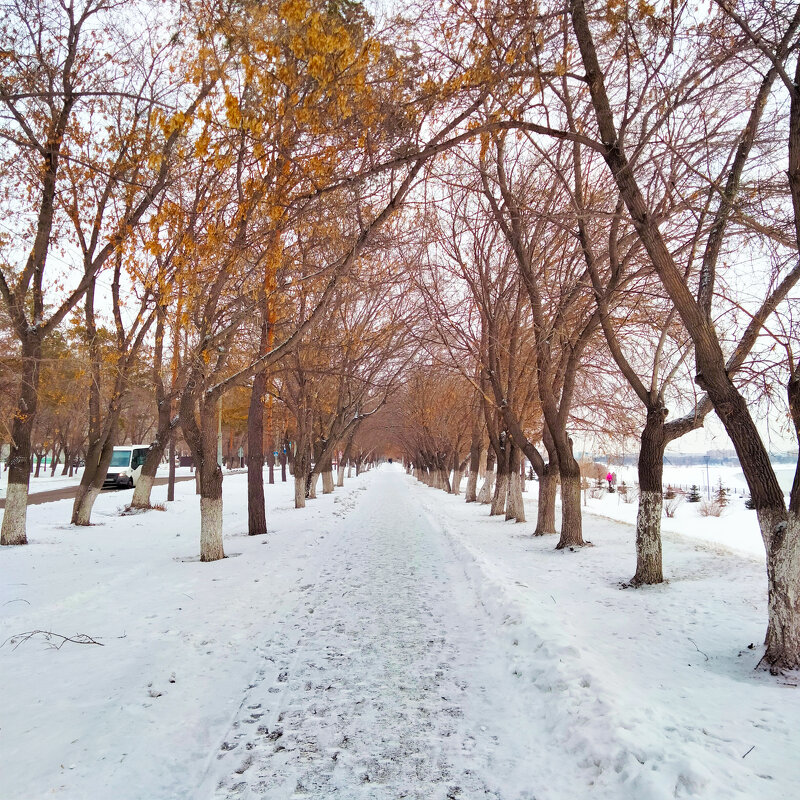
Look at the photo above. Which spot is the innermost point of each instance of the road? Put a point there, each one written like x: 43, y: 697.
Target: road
x: 68, y: 492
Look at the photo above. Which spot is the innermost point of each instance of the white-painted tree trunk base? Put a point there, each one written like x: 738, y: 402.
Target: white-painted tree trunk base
x: 471, y: 494
x: 83, y: 515
x: 571, y: 520
x: 340, y: 477
x: 546, y: 511
x: 781, y: 533
x: 211, y: 529
x: 485, y: 494
x: 15, y: 515
x: 327, y: 482
x: 648, y: 538
x: 299, y: 492
x: 141, y: 494
x: 515, y: 505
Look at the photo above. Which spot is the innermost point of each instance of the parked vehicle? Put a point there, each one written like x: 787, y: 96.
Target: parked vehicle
x: 126, y: 466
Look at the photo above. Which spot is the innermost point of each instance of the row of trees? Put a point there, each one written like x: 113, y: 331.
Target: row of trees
x: 206, y: 182
x: 618, y: 236
x: 499, y: 222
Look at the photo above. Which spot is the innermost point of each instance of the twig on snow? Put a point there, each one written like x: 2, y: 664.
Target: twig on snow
x: 749, y: 751
x: 697, y: 648
x: 51, y: 638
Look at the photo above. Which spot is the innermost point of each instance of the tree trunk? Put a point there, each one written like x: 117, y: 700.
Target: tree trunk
x: 458, y: 474
x: 571, y: 520
x: 515, y: 505
x: 287, y: 457
x: 500, y: 494
x: 648, y: 518
x: 210, y: 472
x: 299, y: 491
x: 546, y: 512
x: 155, y: 454
x: 102, y: 429
x: 311, y: 485
x: 501, y: 484
x: 443, y: 473
x: 93, y: 478
x: 54, y: 462
x: 475, y: 458
x: 256, y: 504
x: 485, y: 494
x: 202, y: 440
x: 783, y: 571
x: 19, y: 457
x: 143, y: 489
x: 327, y: 480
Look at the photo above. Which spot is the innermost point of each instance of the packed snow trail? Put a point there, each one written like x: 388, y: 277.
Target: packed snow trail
x: 385, y: 683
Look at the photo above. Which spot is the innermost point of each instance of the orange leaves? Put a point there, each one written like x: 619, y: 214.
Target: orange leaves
x: 294, y: 11
x: 645, y: 9
x: 173, y: 123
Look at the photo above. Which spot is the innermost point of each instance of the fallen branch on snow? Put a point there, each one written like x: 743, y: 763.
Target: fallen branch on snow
x: 54, y: 640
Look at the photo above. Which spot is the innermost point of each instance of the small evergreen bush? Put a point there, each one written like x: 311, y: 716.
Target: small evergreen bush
x: 721, y: 495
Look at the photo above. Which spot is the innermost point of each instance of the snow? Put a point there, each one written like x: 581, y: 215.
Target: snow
x: 736, y: 529
x: 387, y: 641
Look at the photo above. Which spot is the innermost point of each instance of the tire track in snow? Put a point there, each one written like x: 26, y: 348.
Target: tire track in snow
x: 383, y: 684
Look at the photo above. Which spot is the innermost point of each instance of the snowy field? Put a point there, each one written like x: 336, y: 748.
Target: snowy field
x: 735, y: 529
x: 389, y: 641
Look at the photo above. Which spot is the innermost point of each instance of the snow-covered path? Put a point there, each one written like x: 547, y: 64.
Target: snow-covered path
x: 388, y: 641
x: 385, y: 681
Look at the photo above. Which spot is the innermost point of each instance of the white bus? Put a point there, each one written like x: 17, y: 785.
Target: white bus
x: 126, y: 466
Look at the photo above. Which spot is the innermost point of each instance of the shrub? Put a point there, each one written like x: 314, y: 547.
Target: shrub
x: 671, y: 504
x: 694, y: 495
x: 629, y: 494
x: 710, y: 508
